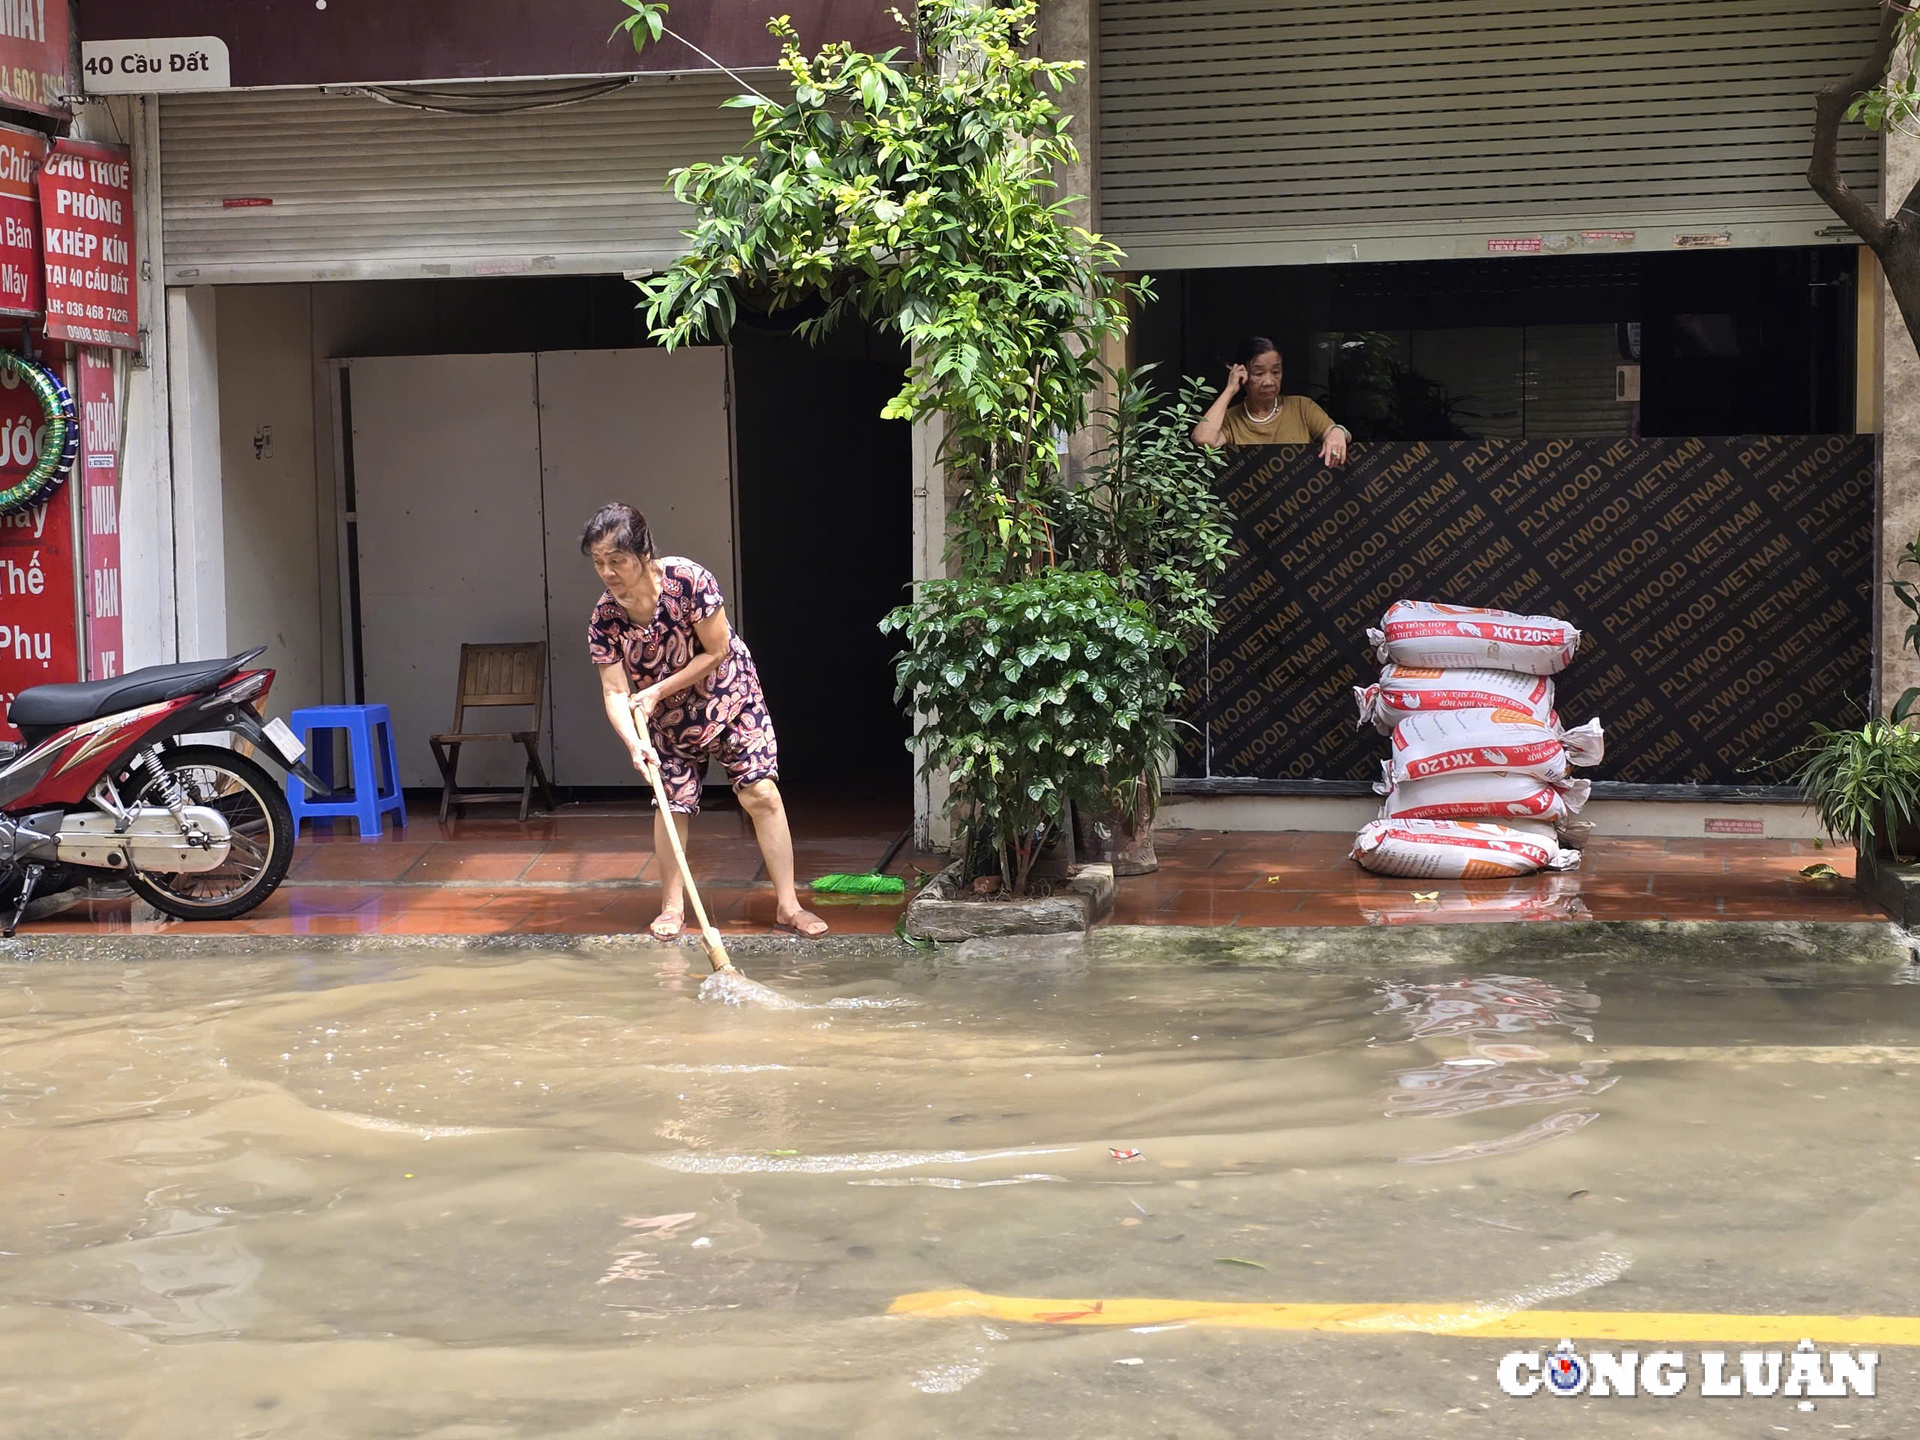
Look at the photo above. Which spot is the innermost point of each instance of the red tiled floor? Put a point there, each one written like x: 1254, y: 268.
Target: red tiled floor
x: 593, y: 871
x: 480, y: 860
x: 574, y: 862
x: 753, y: 910
x: 388, y: 860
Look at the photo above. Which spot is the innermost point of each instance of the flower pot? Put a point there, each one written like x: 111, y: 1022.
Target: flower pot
x: 1905, y: 847
x: 1122, y: 841
x: 1055, y: 860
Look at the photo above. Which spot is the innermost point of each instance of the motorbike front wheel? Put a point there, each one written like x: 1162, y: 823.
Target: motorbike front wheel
x: 254, y: 809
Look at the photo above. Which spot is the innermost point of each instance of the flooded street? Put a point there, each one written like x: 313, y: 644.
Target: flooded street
x: 554, y: 1194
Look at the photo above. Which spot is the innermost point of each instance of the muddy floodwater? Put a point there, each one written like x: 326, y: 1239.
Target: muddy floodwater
x: 555, y: 1194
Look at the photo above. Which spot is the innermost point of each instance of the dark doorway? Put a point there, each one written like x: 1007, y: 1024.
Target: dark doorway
x: 826, y: 537
x: 1724, y: 342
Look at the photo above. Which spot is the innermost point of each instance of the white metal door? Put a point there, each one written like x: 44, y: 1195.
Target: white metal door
x: 446, y: 475
x: 650, y: 428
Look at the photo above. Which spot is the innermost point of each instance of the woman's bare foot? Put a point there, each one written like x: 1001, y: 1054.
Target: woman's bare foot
x: 804, y: 923
x: 668, y: 924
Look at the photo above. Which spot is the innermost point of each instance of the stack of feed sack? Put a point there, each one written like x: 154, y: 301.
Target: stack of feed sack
x: 1480, y: 782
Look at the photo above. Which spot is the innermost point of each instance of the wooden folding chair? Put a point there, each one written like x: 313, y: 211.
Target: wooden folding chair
x: 496, y: 675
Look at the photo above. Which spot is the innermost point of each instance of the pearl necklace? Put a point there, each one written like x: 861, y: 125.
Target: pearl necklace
x: 1268, y: 417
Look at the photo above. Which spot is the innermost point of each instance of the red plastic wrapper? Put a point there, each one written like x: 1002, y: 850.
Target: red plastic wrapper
x: 1123, y: 1154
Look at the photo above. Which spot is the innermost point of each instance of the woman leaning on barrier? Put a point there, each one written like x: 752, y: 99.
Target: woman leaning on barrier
x: 1265, y: 416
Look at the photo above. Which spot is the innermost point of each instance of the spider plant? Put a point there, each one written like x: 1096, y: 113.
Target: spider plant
x: 1864, y: 784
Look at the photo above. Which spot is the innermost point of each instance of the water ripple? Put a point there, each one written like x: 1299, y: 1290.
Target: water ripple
x: 832, y: 1164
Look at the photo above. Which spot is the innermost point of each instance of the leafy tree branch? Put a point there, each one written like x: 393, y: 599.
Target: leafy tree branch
x: 918, y: 191
x: 1883, y: 93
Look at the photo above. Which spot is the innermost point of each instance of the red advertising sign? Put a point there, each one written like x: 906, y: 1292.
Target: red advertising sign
x: 36, y: 61
x: 86, y: 224
x: 39, y: 640
x: 99, y: 479
x: 21, y: 289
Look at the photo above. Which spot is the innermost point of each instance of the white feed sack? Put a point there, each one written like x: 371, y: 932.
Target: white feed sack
x: 1406, y: 690
x: 1457, y: 850
x: 1463, y: 637
x: 1483, y: 795
x: 1507, y: 741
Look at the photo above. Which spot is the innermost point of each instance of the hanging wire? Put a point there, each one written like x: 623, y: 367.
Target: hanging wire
x: 435, y: 102
x: 454, y: 102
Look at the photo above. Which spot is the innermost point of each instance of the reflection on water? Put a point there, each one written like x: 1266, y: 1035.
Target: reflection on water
x: 553, y: 1194
x: 1490, y: 1005
x: 1478, y: 902
x: 1446, y: 1091
x: 1497, y: 1075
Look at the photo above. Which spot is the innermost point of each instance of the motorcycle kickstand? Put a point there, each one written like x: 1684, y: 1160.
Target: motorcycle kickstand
x: 35, y: 873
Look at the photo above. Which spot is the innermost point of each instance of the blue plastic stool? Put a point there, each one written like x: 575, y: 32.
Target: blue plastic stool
x: 368, y: 800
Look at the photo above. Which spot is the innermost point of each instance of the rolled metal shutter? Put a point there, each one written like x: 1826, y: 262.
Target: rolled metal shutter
x: 303, y: 185
x: 1238, y: 132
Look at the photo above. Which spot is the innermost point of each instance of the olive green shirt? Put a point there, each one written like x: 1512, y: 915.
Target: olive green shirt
x: 1298, y: 421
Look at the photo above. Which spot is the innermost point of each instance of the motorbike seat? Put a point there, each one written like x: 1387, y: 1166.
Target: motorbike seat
x: 51, y: 707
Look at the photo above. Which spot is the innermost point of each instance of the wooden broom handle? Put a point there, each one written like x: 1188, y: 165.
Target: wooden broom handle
x: 716, y: 950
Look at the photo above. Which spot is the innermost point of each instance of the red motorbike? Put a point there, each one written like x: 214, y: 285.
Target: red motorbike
x: 107, y: 783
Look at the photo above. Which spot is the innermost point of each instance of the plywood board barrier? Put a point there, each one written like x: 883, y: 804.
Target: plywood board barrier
x: 1724, y: 585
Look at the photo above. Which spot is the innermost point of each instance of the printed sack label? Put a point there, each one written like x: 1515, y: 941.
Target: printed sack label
x: 1460, y: 637
x: 1406, y: 690
x: 1449, y: 742
x: 1484, y: 795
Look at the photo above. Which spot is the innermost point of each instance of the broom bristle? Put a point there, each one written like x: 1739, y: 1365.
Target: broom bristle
x: 861, y: 884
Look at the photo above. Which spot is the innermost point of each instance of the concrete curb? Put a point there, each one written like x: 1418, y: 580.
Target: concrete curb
x: 1893, y: 887
x: 1750, y: 945
x: 1747, y: 945
x: 939, y: 913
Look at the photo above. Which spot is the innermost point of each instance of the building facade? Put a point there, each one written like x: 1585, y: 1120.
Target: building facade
x: 392, y: 358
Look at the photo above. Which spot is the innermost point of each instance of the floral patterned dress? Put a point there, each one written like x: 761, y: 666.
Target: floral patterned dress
x: 723, y: 717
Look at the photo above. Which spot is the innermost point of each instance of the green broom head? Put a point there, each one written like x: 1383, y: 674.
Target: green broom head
x: 861, y: 885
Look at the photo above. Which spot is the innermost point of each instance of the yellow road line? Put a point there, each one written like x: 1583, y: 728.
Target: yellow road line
x: 1463, y: 1320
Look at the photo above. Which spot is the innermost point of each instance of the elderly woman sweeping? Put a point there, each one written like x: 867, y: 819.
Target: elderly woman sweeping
x: 681, y: 690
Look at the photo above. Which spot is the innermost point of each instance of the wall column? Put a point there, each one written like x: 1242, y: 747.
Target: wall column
x: 933, y: 500
x: 1070, y: 30
x: 1898, y: 517
x: 199, y: 530
x: 146, y: 469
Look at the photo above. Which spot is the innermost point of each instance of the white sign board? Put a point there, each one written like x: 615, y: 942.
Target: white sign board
x: 154, y: 67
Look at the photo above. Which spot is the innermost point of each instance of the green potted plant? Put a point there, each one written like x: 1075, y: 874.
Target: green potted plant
x: 1864, y: 783
x: 1149, y: 519
x: 1030, y: 695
